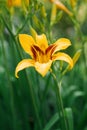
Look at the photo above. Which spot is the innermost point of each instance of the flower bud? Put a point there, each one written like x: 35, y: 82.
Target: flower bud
x: 53, y: 14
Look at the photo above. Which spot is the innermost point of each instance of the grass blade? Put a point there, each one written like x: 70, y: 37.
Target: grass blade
x: 69, y: 116
x: 52, y: 121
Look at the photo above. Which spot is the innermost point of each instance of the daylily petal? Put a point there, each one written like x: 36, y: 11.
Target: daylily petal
x: 61, y: 6
x: 17, y: 3
x: 64, y: 57
x: 43, y: 68
x: 23, y: 64
x: 9, y: 3
x: 61, y: 44
x: 42, y: 42
x: 27, y: 42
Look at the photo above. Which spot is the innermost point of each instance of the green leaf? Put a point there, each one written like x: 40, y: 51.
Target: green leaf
x: 52, y: 121
x: 69, y: 116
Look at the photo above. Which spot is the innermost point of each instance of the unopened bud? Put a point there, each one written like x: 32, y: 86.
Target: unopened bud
x: 75, y: 59
x: 43, y: 11
x: 61, y: 6
x: 33, y: 32
x: 76, y: 56
x: 53, y: 14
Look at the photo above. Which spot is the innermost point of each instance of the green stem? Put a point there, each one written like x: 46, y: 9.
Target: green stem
x: 60, y: 104
x: 46, y: 89
x: 21, y: 28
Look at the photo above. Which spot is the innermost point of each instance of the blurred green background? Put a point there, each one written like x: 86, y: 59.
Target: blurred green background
x: 30, y: 101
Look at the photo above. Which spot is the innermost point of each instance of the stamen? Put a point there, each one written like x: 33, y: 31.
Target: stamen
x: 34, y: 53
x: 50, y: 49
x: 38, y: 49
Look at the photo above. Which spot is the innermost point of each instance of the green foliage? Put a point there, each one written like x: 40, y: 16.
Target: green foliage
x: 30, y: 102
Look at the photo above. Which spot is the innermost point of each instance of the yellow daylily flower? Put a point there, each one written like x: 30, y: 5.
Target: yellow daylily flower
x: 61, y: 6
x: 42, y: 54
x: 16, y: 3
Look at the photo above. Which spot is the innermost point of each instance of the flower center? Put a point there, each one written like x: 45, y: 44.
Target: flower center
x: 39, y: 55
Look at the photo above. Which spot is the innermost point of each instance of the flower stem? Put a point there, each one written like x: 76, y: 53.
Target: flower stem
x: 60, y: 104
x: 22, y: 26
